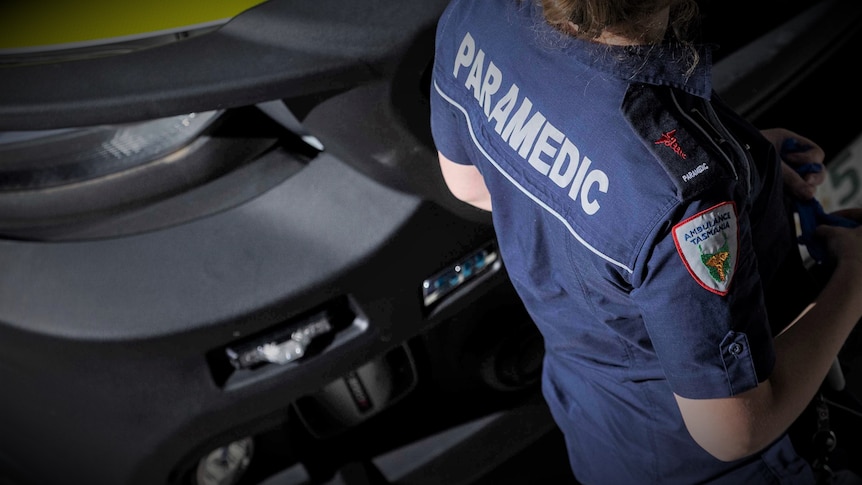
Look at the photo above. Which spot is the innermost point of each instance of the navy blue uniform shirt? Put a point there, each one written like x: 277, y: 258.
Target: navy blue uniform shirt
x: 641, y: 222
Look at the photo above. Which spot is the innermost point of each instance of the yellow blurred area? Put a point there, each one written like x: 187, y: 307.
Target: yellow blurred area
x: 35, y: 23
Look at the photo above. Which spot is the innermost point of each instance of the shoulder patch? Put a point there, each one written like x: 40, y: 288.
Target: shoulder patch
x: 708, y: 243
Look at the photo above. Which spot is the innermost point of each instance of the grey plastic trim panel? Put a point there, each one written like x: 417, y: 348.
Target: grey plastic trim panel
x: 294, y: 237
x: 278, y: 49
x: 753, y: 77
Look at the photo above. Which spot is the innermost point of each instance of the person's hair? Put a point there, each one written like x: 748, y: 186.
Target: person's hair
x: 622, y: 17
x: 587, y: 19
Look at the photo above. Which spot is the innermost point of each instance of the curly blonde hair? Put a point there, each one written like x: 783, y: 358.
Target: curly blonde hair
x: 623, y: 17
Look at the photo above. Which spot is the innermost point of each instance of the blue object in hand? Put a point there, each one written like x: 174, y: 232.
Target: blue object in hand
x: 811, y: 215
x: 792, y: 145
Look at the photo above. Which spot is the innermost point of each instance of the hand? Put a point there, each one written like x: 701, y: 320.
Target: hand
x: 796, y: 150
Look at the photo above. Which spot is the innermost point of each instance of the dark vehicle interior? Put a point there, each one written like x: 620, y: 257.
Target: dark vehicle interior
x: 229, y: 256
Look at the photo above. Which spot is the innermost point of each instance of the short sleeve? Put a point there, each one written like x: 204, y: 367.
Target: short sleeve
x: 448, y: 125
x: 703, y: 305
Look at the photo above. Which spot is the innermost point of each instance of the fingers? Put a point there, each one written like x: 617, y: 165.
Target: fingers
x: 799, y: 150
x: 799, y: 154
x: 814, y: 155
x: 799, y: 186
x: 776, y: 135
x: 815, y: 179
x: 853, y: 213
x: 794, y: 148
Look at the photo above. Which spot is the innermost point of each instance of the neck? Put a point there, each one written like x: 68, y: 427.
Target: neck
x: 652, y: 30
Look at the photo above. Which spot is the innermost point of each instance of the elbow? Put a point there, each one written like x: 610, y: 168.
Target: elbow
x: 471, y: 192
x: 479, y: 200
x: 463, y: 193
x: 729, y: 452
x: 727, y: 442
x: 465, y: 183
x: 728, y: 429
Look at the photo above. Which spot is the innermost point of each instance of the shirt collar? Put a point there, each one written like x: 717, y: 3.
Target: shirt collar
x: 665, y: 64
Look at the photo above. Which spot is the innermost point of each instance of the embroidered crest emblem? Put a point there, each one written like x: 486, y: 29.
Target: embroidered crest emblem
x: 708, y: 244
x: 718, y: 263
x: 669, y: 140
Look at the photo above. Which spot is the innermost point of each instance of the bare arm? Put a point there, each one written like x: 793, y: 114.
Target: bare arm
x: 465, y: 182
x: 735, y: 427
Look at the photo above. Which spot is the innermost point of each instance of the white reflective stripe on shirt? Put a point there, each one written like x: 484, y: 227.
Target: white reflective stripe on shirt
x: 522, y: 189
